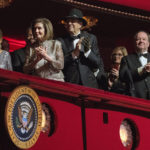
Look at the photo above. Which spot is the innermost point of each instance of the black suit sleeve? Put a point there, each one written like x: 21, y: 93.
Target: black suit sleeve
x: 126, y: 74
x: 123, y: 70
x: 67, y: 55
x: 129, y: 67
x: 94, y: 56
x: 18, y: 60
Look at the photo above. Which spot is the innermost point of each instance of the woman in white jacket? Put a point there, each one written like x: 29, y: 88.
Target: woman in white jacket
x: 45, y: 58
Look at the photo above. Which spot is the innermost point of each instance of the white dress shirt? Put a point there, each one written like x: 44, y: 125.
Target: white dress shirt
x: 143, y: 62
x: 86, y: 54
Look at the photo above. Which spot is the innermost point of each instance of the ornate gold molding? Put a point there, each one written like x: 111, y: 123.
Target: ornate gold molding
x: 108, y: 10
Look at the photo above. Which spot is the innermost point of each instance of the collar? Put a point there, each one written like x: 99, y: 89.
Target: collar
x: 76, y: 34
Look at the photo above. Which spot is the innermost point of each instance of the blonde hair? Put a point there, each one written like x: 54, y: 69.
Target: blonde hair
x: 47, y: 26
x: 120, y: 48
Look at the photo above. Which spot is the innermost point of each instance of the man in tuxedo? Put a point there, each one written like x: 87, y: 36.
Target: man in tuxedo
x: 81, y: 54
x: 19, y: 56
x: 138, y: 66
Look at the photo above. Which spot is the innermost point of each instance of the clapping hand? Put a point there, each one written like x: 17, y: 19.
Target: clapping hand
x: 77, y: 49
x: 147, y: 68
x: 113, y: 76
x: 86, y: 43
x: 115, y: 72
x: 41, y: 52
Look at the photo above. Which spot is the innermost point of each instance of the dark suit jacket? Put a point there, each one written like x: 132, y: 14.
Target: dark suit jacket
x: 18, y: 59
x: 130, y: 64
x: 117, y: 87
x: 81, y: 70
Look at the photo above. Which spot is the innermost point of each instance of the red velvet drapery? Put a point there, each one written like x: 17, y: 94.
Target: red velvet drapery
x: 15, y: 44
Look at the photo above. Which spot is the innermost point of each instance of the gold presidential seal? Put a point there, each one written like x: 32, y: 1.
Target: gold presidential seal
x: 23, y: 117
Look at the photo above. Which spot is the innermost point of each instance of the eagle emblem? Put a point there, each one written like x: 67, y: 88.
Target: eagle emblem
x: 23, y: 121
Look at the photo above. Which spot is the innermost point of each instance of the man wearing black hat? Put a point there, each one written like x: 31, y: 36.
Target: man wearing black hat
x: 81, y: 53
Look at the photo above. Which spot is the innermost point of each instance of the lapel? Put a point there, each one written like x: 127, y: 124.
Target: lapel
x: 85, y: 35
x: 136, y: 60
x: 69, y: 44
x: 22, y: 55
x: 148, y: 57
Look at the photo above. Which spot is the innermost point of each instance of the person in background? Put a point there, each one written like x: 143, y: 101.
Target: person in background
x: 138, y: 65
x: 5, y: 59
x: 81, y: 53
x: 113, y: 82
x: 5, y: 45
x: 45, y: 59
x: 18, y: 56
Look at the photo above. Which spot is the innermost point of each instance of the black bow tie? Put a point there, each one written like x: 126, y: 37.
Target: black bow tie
x: 144, y: 55
x: 76, y: 37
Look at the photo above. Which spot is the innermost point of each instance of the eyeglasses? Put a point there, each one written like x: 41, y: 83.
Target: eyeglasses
x: 117, y: 54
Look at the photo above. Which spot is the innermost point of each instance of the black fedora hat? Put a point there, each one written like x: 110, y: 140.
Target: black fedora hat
x: 76, y: 14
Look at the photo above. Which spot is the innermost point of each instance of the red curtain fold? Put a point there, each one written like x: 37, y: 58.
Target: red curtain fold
x: 15, y: 44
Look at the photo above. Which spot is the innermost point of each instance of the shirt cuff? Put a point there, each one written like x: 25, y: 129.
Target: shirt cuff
x: 74, y: 56
x: 86, y: 54
x: 140, y: 70
x: 96, y: 72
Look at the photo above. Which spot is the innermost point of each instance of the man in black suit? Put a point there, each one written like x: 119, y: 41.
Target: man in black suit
x: 19, y: 56
x: 138, y: 66
x: 81, y: 53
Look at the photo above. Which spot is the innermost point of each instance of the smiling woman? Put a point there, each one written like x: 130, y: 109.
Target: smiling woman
x: 110, y: 81
x: 45, y: 59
